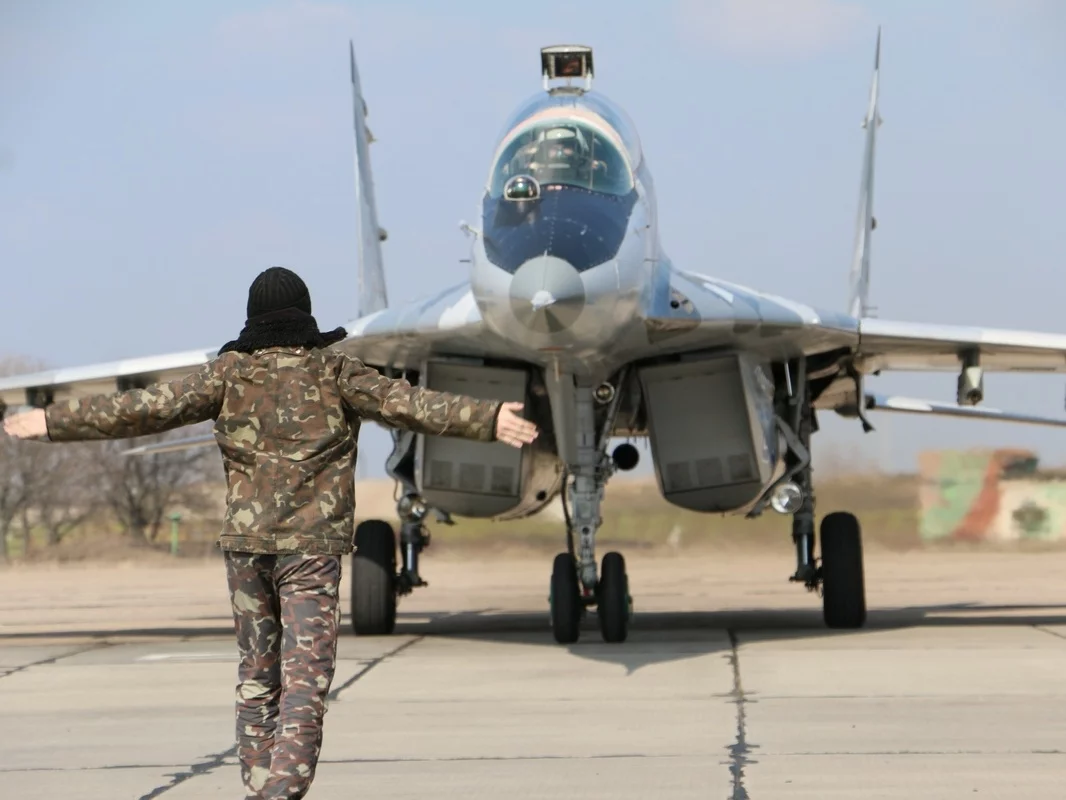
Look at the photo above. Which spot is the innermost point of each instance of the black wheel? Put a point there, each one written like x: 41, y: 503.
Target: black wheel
x: 565, y: 600
x: 612, y: 598
x: 843, y: 582
x: 374, y: 579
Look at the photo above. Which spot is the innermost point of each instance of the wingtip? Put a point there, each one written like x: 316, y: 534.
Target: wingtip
x: 351, y: 57
x: 877, y: 50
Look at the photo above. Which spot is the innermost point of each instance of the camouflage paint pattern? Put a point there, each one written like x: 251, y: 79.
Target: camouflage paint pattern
x: 286, y: 615
x: 287, y: 423
x: 1031, y: 510
x: 988, y: 495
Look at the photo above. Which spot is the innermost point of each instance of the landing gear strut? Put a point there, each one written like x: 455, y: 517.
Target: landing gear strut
x: 575, y: 585
x: 840, y: 576
x: 376, y: 583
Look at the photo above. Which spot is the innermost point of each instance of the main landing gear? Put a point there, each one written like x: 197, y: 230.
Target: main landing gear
x: 575, y: 585
x: 840, y: 577
x: 376, y: 584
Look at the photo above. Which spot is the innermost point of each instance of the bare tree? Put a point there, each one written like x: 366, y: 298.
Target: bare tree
x: 60, y: 495
x: 140, y: 490
x: 12, y: 493
x: 17, y: 469
x: 57, y: 487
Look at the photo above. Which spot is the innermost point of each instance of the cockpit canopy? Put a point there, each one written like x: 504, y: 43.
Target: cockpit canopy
x: 564, y: 151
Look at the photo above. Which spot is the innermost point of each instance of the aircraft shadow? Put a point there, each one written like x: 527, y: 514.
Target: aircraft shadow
x: 660, y: 637
x: 654, y: 638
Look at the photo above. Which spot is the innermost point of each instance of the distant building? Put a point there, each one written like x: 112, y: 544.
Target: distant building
x: 989, y: 496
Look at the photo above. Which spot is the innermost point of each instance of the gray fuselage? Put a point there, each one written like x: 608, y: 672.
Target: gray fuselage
x: 566, y: 273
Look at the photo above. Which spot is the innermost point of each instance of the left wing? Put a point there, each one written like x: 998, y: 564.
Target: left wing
x: 886, y: 346
x: 916, y: 346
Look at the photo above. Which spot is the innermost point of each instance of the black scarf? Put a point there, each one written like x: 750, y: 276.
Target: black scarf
x: 289, y: 327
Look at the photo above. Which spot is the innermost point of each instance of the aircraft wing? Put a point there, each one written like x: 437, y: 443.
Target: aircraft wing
x: 403, y: 337
x: 913, y: 346
x: 398, y: 337
x: 40, y: 388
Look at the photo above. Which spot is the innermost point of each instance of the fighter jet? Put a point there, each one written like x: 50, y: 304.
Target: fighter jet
x: 573, y: 306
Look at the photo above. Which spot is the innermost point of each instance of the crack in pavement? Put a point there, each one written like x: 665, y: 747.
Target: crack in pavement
x: 216, y: 760
x: 53, y: 659
x: 738, y: 752
x: 212, y: 762
x: 1049, y: 632
x: 335, y: 693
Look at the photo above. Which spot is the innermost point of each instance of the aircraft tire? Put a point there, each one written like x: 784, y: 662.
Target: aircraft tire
x: 374, y: 579
x: 843, y: 580
x: 565, y: 600
x: 612, y: 603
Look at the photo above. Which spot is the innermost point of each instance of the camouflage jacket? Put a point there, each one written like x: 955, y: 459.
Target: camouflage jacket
x: 287, y: 422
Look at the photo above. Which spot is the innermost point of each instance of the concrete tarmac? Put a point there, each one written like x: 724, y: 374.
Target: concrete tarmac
x: 118, y: 681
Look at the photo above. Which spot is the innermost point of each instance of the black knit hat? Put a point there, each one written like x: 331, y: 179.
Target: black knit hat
x: 275, y: 289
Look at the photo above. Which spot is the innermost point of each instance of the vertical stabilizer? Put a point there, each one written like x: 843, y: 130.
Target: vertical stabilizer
x: 858, y: 300
x: 370, y: 236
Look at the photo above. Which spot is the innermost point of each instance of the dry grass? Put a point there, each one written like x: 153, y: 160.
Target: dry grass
x: 636, y: 517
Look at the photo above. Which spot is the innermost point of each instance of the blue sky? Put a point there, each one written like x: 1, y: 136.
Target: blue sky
x: 155, y: 157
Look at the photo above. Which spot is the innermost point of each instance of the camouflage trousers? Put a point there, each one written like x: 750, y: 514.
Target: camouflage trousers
x: 286, y: 615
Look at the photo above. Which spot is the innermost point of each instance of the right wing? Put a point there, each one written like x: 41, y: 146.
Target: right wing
x: 391, y: 339
x: 402, y: 338
x: 398, y: 338
x: 38, y: 389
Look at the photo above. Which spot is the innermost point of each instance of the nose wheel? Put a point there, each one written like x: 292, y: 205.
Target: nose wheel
x: 565, y: 600
x: 575, y: 584
x: 613, y: 603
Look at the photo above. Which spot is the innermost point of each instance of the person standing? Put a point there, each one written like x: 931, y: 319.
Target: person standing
x: 287, y: 410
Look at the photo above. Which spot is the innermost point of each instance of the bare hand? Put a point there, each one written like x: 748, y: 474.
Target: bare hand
x: 28, y: 425
x: 513, y: 429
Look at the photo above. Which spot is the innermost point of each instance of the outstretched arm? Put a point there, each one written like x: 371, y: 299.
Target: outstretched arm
x: 394, y: 402
x: 135, y: 412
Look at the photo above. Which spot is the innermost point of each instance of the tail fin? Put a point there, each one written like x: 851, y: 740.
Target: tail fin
x: 371, y: 272
x: 858, y: 302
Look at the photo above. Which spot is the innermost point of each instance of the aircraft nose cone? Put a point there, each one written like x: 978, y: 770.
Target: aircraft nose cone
x: 547, y: 294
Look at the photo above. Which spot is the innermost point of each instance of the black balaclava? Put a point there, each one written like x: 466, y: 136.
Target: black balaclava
x: 279, y: 315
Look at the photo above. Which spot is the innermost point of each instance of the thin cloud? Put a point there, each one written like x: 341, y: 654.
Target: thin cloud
x: 769, y: 28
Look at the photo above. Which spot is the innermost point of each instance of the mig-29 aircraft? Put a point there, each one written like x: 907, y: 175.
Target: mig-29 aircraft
x: 573, y: 306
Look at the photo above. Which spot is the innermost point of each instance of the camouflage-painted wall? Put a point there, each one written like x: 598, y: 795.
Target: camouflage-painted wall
x: 988, y: 495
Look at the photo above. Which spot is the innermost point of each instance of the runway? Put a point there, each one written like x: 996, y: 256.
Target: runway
x: 117, y: 682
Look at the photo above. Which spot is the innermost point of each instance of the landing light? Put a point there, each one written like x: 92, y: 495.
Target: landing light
x: 604, y: 393
x: 412, y: 508
x: 786, y: 498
